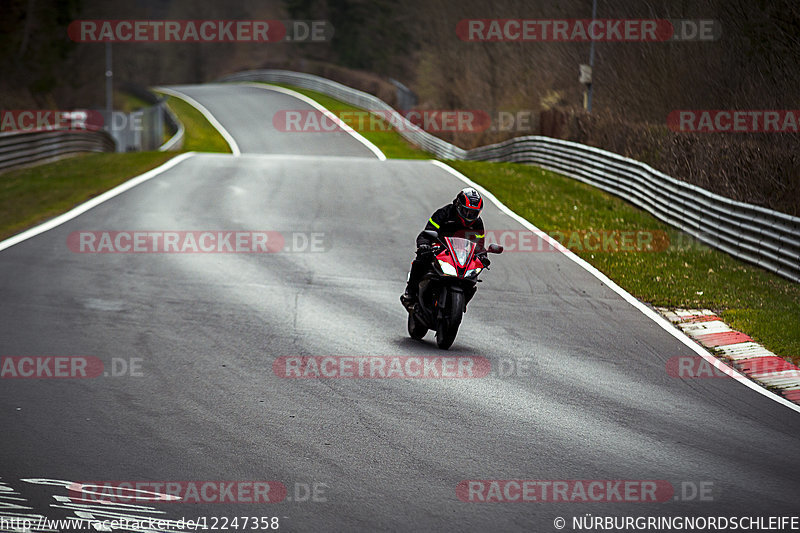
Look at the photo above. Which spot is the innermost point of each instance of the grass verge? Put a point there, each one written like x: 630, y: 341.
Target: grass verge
x: 31, y: 195
x: 200, y: 135
x: 685, y: 274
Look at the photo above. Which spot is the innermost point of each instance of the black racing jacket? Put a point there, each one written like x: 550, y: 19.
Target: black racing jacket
x: 447, y: 223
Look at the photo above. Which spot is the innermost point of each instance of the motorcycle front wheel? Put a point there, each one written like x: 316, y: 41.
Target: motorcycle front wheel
x: 416, y: 329
x: 447, y: 329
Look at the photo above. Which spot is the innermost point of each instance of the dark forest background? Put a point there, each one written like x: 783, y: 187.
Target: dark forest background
x: 753, y: 66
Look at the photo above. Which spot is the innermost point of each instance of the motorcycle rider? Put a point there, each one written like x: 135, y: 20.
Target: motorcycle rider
x: 461, y: 218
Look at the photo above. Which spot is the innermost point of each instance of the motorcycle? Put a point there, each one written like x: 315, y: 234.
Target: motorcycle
x: 446, y: 288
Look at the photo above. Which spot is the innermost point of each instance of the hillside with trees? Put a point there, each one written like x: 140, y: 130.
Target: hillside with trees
x: 636, y: 85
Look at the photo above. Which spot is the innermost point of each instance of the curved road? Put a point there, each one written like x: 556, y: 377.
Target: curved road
x: 594, y: 403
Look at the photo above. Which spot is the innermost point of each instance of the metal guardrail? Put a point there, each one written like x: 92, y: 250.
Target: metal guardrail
x: 761, y: 236
x: 174, y: 124
x: 143, y: 129
x: 30, y: 147
x: 23, y: 148
x: 767, y: 238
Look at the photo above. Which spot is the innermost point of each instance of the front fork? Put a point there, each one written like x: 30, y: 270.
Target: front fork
x: 444, y: 294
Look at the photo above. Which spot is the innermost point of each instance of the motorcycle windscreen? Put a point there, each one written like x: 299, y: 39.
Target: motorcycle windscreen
x: 462, y: 249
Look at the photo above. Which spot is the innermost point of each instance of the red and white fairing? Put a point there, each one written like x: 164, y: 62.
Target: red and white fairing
x: 457, y: 258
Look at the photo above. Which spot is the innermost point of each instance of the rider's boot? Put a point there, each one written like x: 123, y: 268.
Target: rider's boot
x: 409, y: 298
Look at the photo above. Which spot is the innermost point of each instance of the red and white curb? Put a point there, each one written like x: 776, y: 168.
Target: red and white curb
x: 747, y: 356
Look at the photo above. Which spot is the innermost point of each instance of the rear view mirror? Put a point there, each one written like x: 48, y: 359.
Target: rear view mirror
x: 432, y: 234
x: 495, y: 249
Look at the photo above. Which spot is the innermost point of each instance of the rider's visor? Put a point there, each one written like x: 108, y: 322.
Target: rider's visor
x: 468, y: 213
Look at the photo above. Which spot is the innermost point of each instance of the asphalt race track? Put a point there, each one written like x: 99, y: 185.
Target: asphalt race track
x: 595, y: 402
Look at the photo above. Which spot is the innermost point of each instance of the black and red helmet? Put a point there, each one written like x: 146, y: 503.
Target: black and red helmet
x: 468, y: 205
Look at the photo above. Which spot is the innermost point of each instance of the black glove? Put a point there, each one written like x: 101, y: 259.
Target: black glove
x: 424, y: 251
x: 484, y: 259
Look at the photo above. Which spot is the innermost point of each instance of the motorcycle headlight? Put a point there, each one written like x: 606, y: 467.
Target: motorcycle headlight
x: 474, y: 272
x: 447, y: 268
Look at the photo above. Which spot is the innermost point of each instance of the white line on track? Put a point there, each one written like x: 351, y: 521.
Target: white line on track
x: 206, y: 113
x: 94, y: 202
x: 649, y: 313
x: 319, y: 107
